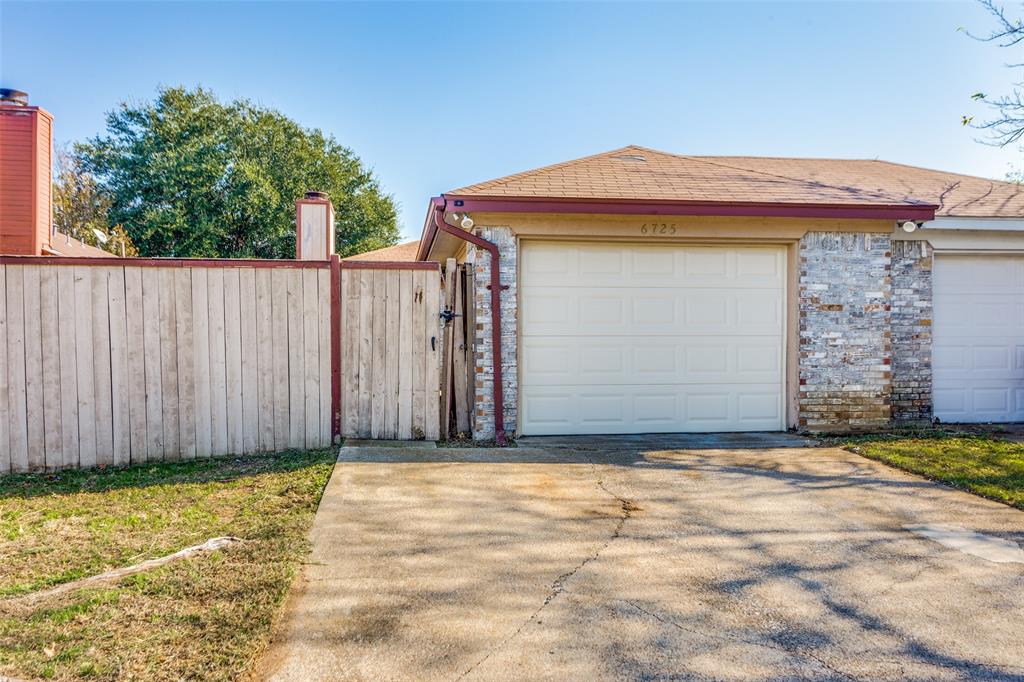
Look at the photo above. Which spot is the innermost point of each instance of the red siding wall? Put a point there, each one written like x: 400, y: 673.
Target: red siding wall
x: 25, y: 179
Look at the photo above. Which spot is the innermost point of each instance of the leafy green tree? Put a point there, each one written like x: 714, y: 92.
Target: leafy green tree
x: 188, y: 175
x: 81, y: 210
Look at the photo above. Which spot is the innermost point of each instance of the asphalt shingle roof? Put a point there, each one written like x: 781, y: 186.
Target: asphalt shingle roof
x: 639, y: 174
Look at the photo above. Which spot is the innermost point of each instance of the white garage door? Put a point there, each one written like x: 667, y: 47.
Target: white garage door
x: 641, y: 339
x: 978, y: 348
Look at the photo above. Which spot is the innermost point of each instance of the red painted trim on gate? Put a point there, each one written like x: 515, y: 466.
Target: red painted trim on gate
x: 165, y: 262
x: 336, y: 332
x: 389, y: 265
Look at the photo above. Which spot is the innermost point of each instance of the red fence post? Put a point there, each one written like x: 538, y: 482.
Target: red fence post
x: 335, y: 348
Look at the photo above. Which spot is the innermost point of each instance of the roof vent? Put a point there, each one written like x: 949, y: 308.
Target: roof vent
x: 11, y: 96
x: 633, y: 158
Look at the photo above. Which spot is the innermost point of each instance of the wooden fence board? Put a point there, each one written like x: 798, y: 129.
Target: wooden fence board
x: 378, y: 373
x: 34, y: 403
x: 50, y: 357
x: 265, y: 359
x: 86, y: 366
x: 310, y: 357
x: 151, y: 344
x: 406, y: 356
x: 279, y: 293
x: 169, y: 365
x: 233, y: 359
x: 393, y: 354
x: 419, y: 355
x: 17, y: 401
x: 459, y: 348
x: 120, y: 410
x: 68, y: 372
x: 136, y: 347
x: 102, y: 388
x: 432, y: 299
x: 296, y: 367
x: 5, y: 415
x: 201, y: 362
x: 323, y: 310
x: 184, y: 324
x: 218, y: 363
x: 250, y: 361
x: 365, y: 333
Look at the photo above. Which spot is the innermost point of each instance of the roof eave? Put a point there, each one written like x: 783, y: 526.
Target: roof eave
x: 470, y: 204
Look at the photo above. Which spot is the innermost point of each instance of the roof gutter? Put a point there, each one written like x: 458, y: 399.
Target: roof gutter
x: 437, y: 223
x: 897, y: 212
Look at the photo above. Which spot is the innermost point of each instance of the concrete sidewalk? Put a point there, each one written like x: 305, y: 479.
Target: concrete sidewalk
x: 637, y: 562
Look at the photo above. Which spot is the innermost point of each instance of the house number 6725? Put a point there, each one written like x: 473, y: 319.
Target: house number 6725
x: 657, y: 229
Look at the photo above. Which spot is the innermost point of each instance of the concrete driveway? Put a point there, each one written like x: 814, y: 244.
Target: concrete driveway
x: 650, y: 558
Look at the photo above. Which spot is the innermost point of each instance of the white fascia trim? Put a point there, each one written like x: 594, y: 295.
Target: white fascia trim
x: 989, y: 224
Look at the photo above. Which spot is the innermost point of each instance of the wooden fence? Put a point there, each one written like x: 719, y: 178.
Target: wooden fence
x: 391, y: 350
x: 129, y: 361
x: 109, y: 365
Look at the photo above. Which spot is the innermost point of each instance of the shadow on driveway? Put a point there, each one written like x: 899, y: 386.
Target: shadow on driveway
x: 645, y: 560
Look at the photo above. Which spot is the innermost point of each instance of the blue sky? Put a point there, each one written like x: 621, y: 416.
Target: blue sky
x: 436, y: 96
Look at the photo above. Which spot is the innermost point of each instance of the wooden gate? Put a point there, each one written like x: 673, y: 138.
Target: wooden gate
x: 390, y: 350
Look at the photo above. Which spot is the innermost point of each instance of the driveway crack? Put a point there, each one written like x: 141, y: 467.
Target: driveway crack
x: 558, y: 586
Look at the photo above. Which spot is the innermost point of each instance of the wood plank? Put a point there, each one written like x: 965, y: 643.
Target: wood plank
x: 120, y: 409
x: 34, y: 403
x: 154, y: 386
x: 432, y: 301
x: 324, y: 353
x: 279, y: 328
x: 50, y: 355
x: 296, y: 367
x: 17, y: 422
x: 406, y: 354
x: 350, y: 342
x: 470, y: 306
x: 365, y: 335
x: 420, y: 342
x: 138, y: 385
x: 250, y: 360
x: 459, y: 361
x: 86, y: 366
x: 5, y: 414
x: 265, y: 359
x: 218, y: 363
x: 446, y: 358
x: 393, y: 353
x: 201, y: 361
x: 378, y: 372
x: 184, y: 325
x: 68, y: 371
x: 233, y: 358
x: 169, y: 365
x: 102, y: 389
x: 311, y: 356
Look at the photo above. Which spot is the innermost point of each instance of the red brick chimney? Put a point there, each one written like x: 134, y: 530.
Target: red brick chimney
x: 26, y: 148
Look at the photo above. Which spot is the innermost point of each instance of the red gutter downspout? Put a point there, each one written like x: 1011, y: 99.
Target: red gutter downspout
x: 495, y: 287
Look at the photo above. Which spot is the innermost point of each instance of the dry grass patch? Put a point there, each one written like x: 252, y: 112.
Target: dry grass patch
x: 205, y: 617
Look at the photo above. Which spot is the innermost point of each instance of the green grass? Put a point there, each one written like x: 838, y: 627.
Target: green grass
x: 207, y: 617
x: 978, y: 463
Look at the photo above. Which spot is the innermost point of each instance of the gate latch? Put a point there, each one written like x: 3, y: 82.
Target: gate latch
x: 448, y: 315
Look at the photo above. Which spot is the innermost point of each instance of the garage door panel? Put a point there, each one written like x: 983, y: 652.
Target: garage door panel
x: 634, y: 408
x: 978, y: 347
x: 655, y: 361
x: 632, y: 311
x: 635, y: 338
x: 597, y: 265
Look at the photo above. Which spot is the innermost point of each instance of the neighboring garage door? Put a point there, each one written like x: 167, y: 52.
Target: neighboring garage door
x: 640, y: 338
x: 978, y: 348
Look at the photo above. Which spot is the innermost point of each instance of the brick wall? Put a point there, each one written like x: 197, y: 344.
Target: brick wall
x: 483, y: 413
x: 845, y: 340
x: 911, y: 331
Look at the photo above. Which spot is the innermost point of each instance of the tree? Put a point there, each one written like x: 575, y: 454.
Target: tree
x: 188, y: 175
x: 80, y: 209
x: 1007, y: 127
